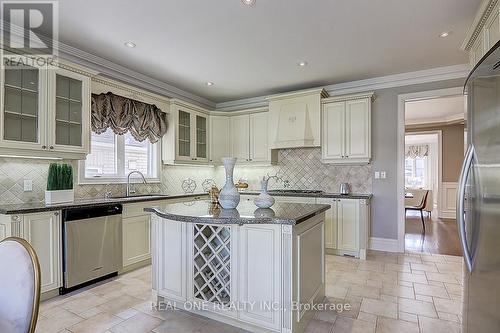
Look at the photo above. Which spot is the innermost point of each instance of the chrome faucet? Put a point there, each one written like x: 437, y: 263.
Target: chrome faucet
x: 129, y: 190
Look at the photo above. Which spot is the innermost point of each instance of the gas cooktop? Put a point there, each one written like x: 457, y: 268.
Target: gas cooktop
x: 296, y: 191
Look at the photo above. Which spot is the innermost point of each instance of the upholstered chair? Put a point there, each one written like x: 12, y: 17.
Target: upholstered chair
x: 19, y: 286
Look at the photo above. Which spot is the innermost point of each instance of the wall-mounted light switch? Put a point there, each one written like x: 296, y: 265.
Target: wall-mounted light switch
x: 382, y: 174
x: 377, y: 175
x: 28, y: 185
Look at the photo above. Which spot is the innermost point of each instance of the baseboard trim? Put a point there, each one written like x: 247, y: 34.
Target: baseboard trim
x: 384, y: 244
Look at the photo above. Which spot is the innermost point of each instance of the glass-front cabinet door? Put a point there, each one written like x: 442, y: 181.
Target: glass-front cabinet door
x: 201, y: 138
x: 70, y: 121
x: 184, y: 135
x: 23, y: 97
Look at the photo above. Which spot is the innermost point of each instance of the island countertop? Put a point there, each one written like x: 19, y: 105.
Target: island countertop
x: 245, y: 213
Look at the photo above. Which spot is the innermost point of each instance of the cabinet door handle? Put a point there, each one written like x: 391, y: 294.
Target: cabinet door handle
x: 56, y: 213
x: 51, y: 147
x: 44, y: 147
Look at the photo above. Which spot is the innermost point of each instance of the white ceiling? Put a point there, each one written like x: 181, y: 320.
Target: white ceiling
x: 253, y: 51
x: 435, y: 110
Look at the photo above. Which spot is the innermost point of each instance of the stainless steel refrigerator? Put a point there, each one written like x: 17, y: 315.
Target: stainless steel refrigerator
x: 478, y: 200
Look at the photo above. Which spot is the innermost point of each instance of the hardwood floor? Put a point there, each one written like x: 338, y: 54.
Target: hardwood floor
x: 441, y: 235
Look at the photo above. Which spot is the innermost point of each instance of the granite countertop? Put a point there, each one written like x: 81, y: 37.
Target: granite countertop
x: 285, y: 193
x: 245, y: 213
x: 35, y: 207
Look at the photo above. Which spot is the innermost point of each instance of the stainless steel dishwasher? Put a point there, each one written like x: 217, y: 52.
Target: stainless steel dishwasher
x: 92, y: 245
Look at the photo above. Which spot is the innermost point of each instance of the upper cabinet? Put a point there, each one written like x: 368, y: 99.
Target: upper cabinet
x: 484, y: 32
x: 219, y: 143
x: 346, y: 129
x: 69, y: 129
x: 295, y: 119
x: 187, y: 140
x: 45, y: 112
x: 249, y: 140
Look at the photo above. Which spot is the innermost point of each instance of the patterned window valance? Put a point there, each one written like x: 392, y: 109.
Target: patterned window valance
x: 121, y: 114
x: 417, y: 151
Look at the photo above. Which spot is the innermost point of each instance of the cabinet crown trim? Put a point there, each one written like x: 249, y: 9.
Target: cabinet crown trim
x: 485, y: 9
x: 317, y: 91
x: 177, y: 102
x: 351, y: 97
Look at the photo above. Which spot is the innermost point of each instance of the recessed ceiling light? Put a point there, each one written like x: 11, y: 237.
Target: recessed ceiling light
x: 248, y: 2
x: 303, y: 63
x: 209, y: 83
x: 445, y: 34
x: 130, y: 44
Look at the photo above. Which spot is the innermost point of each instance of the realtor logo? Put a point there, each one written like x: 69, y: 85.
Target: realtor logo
x: 30, y: 27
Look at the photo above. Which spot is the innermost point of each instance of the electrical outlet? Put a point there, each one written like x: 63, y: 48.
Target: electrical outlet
x: 382, y: 174
x: 377, y: 175
x: 28, y: 185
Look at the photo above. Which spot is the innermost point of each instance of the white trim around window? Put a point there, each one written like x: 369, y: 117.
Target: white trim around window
x: 120, y: 164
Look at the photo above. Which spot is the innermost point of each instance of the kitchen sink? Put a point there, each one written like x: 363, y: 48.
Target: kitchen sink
x: 139, y: 196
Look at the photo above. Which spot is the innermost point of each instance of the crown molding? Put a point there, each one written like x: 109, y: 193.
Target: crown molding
x: 113, y: 71
x: 450, y: 120
x: 353, y: 87
x: 483, y: 13
x: 117, y: 72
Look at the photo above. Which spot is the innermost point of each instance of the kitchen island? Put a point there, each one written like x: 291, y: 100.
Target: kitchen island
x: 258, y: 269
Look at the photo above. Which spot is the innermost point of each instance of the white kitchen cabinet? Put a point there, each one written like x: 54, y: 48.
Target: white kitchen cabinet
x: 187, y: 140
x: 45, y: 112
x: 333, y: 131
x: 69, y: 121
x: 348, y: 224
x: 484, y: 33
x: 259, y: 144
x: 136, y: 240
x: 331, y: 222
x: 346, y: 129
x: 260, y: 256
x: 136, y: 230
x: 249, y: 139
x: 43, y: 232
x: 219, y: 143
x: 240, y: 134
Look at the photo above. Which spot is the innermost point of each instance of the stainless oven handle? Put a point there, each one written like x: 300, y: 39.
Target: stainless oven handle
x: 462, y: 183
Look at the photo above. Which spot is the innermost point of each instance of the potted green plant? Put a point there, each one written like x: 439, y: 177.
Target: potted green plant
x: 59, y: 184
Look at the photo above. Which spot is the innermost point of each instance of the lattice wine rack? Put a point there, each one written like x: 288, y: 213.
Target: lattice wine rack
x: 212, y: 267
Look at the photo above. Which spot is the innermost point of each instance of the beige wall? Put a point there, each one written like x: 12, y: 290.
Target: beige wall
x: 453, y: 148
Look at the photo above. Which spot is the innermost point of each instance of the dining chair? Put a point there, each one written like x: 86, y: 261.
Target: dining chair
x: 420, y: 207
x: 19, y: 286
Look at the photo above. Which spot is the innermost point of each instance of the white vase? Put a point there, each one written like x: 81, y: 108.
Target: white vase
x: 264, y: 200
x: 229, y: 197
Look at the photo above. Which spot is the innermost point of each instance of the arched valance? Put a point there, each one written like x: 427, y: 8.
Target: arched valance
x: 121, y: 114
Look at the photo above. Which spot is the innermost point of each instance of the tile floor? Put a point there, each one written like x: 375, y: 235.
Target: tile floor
x: 388, y: 292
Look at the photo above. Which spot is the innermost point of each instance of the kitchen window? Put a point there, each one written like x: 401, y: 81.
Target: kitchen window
x: 113, y: 156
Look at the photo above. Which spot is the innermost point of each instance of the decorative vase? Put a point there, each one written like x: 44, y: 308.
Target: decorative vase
x: 264, y: 200
x: 229, y: 197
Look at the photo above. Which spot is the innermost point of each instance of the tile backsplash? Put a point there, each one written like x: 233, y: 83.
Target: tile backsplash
x: 300, y: 168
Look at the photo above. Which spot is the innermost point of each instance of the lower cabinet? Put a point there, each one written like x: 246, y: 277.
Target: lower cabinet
x: 260, y: 275
x: 136, y: 239
x: 347, y: 226
x: 347, y: 223
x: 44, y: 233
x: 136, y: 229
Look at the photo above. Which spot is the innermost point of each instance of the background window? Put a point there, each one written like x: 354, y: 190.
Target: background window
x: 113, y: 156
x: 416, y: 172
